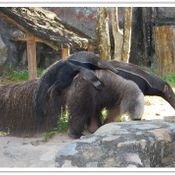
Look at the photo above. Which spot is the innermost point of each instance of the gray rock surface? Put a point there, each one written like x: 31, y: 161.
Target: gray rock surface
x: 8, y: 47
x: 3, y: 52
x: 126, y: 144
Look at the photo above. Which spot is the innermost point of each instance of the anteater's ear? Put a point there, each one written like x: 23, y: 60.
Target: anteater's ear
x: 90, y: 76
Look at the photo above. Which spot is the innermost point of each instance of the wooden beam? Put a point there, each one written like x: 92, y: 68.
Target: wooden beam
x: 65, y: 52
x: 31, y: 57
x: 27, y: 36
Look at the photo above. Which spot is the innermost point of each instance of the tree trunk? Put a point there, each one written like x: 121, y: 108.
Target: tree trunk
x: 165, y: 49
x: 127, y: 34
x: 137, y: 48
x: 147, y: 19
x: 103, y: 33
x: 117, y: 34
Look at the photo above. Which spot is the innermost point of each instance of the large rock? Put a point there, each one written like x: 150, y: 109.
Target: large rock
x: 83, y: 18
x: 3, y: 52
x: 8, y: 46
x: 126, y: 144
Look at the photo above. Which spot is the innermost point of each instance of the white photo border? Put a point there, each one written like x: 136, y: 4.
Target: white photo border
x: 87, y: 3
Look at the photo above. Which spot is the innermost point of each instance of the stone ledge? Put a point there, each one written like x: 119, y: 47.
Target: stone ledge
x: 126, y: 144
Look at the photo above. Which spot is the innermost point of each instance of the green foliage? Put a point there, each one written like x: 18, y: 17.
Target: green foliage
x: 104, y: 114
x: 170, y: 78
x: 19, y: 75
x: 61, y: 126
x: 63, y: 121
x: 2, y: 133
x: 40, y: 72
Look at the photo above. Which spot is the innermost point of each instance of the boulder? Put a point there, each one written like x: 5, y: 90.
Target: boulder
x: 124, y: 144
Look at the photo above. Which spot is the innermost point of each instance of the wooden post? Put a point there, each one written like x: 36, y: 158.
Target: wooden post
x: 31, y: 57
x: 91, y: 48
x: 65, y: 52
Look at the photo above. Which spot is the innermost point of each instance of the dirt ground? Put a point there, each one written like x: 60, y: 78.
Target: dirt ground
x: 30, y: 152
x: 34, y: 152
x: 157, y: 108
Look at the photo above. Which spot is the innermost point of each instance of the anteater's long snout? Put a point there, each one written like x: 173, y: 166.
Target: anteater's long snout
x: 168, y: 95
